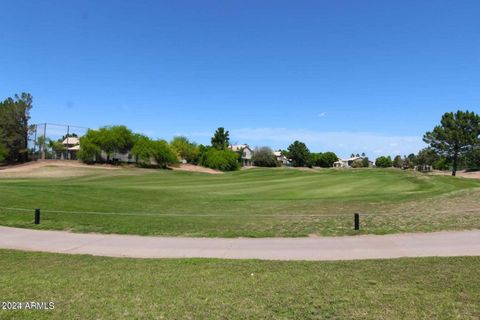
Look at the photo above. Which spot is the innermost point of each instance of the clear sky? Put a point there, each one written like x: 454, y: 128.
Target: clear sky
x: 347, y: 76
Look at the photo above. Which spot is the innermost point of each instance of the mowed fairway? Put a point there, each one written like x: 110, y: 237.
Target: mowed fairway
x: 86, y: 287
x: 251, y: 203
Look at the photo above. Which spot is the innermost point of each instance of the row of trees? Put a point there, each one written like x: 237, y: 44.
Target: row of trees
x: 453, y: 144
x: 300, y: 156
x: 14, y: 128
x: 102, y: 144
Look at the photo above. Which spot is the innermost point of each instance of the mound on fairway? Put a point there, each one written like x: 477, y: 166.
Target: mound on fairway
x: 254, y: 203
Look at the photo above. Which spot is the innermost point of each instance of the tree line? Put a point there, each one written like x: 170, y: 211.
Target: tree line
x: 453, y: 144
x: 102, y: 145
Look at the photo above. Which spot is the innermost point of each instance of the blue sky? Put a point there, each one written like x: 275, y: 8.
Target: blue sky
x: 347, y: 76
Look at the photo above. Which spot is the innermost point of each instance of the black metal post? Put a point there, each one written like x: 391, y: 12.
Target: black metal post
x: 37, y: 216
x: 357, y: 221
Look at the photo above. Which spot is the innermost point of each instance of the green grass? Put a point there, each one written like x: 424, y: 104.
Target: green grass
x: 252, y: 203
x: 86, y: 287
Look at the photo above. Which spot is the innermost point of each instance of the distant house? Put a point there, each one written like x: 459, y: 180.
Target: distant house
x: 347, y: 163
x: 120, y: 157
x: 72, y: 146
x: 281, y: 158
x: 247, y: 153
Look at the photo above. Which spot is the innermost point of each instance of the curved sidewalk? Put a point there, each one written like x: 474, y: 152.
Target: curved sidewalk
x: 455, y: 243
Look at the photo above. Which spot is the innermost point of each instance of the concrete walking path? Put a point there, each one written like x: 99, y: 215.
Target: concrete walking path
x: 455, y: 243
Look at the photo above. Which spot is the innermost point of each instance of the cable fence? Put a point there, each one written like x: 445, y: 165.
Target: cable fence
x: 279, y: 215
x: 359, y: 221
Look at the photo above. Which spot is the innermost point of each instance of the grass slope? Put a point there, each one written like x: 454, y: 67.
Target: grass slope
x: 254, y: 203
x: 86, y: 287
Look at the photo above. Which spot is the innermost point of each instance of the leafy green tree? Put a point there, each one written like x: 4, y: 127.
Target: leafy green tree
x: 328, y: 159
x: 57, y: 147
x: 111, y: 139
x: 42, y: 143
x: 315, y: 158
x: 412, y: 160
x: 220, y: 139
x: 264, y: 157
x: 427, y: 156
x: 441, y: 164
x: 142, y: 150
x: 456, y: 135
x: 163, y: 154
x: 365, y: 162
x: 225, y: 160
x: 299, y: 154
x: 185, y: 149
x: 89, y: 151
x: 398, y: 161
x: 14, y: 128
x: 3, y: 153
x: 150, y: 151
x: 324, y: 159
x: 358, y: 164
x: 473, y: 159
x: 384, y: 162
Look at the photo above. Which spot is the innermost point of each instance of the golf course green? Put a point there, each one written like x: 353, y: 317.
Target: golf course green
x: 250, y: 203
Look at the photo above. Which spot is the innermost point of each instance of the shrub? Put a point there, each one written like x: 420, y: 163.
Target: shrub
x: 153, y: 152
x: 473, y: 159
x: 441, y: 164
x: 366, y: 162
x: 264, y: 157
x: 185, y: 149
x: 398, y: 162
x: 358, y: 164
x: 323, y: 159
x: 225, y: 160
x: 384, y: 162
x: 89, y: 151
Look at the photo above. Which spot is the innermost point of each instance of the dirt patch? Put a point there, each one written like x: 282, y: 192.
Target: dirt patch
x: 51, y: 169
x: 463, y: 174
x: 470, y: 175
x: 194, y: 168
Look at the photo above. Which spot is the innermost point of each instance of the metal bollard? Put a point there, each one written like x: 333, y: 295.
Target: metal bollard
x: 37, y: 216
x: 356, y: 217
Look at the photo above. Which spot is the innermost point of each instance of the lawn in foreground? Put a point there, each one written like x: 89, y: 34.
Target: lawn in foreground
x: 90, y: 287
x: 253, y: 203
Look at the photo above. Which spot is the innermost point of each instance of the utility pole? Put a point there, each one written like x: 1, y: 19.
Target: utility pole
x: 44, y: 141
x: 68, y: 146
x: 35, y: 143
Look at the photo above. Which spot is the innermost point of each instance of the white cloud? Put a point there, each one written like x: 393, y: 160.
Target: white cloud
x: 322, y: 115
x: 343, y: 143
